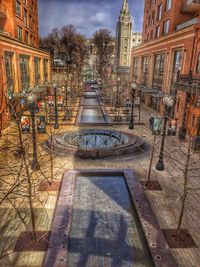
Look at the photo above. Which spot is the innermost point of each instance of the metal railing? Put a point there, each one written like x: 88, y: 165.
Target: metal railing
x: 186, y: 3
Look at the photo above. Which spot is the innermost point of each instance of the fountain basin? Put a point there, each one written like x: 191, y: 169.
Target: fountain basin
x: 94, y: 143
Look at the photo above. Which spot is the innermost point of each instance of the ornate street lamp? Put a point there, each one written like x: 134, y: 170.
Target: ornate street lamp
x: 32, y: 105
x: 168, y: 102
x: 56, y: 125
x: 134, y: 87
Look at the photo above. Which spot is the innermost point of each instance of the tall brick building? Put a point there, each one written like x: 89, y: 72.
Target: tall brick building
x: 170, y: 45
x: 22, y: 63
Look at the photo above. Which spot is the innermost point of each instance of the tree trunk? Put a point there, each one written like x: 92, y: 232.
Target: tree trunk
x: 151, y: 160
x: 26, y: 164
x: 185, y: 190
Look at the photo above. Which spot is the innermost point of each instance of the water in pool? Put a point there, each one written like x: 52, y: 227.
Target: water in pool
x: 105, y: 229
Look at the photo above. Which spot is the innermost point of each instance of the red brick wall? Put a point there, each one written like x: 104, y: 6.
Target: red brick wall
x: 174, y: 14
x: 9, y: 24
x: 185, y: 40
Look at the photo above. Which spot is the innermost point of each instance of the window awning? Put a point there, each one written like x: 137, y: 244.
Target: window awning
x: 146, y: 90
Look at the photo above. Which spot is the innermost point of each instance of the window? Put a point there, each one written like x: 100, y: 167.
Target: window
x: 25, y: 17
x: 9, y: 72
x: 45, y: 66
x: 31, y: 39
x: 26, y: 37
x: 159, y: 12
x: 168, y: 4
x: 24, y: 72
x: 31, y: 7
x: 197, y: 101
x: 135, y: 68
x: 30, y: 22
x: 176, y: 67
x: 198, y: 64
x: 153, y: 17
x: 166, y: 27
x: 37, y: 69
x: 158, y: 71
x: 19, y: 33
x: 18, y: 9
x: 198, y: 126
x: 151, y: 35
x: 178, y: 104
x: 149, y: 21
x: 145, y: 70
x: 158, y: 31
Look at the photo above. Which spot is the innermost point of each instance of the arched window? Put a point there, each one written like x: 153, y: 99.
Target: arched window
x: 198, y: 64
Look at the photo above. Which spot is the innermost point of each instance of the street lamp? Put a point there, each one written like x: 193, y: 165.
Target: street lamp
x: 117, y: 100
x: 168, y: 102
x: 66, y: 94
x: 134, y: 87
x: 31, y: 102
x: 56, y: 125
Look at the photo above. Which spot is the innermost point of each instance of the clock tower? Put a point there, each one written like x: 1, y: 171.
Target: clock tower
x: 123, y: 37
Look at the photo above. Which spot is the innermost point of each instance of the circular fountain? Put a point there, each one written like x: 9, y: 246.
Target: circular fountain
x: 94, y: 143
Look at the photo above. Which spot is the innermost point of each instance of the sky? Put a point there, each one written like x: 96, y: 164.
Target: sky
x: 87, y: 16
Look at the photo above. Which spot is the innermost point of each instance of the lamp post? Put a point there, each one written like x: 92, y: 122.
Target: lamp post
x: 56, y: 125
x: 118, y: 95
x: 134, y: 87
x: 66, y: 93
x: 168, y: 103
x: 31, y: 102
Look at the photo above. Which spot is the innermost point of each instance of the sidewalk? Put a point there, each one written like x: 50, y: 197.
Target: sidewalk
x: 165, y: 203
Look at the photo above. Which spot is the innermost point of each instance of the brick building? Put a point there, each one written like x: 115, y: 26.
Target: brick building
x: 170, y: 45
x: 22, y: 63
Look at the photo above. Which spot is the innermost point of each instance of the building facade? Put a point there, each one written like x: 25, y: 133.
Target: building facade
x: 136, y: 39
x: 123, y: 37
x: 22, y: 64
x: 170, y: 48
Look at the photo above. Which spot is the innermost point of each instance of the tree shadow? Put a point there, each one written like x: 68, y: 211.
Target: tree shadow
x: 113, y: 250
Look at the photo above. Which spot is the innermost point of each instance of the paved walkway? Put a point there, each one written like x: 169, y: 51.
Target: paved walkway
x: 165, y: 204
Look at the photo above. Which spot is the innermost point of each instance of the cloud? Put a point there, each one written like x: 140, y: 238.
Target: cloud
x: 100, y: 17
x: 87, y: 16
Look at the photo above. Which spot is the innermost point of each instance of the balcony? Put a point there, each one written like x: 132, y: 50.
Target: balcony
x: 186, y: 24
x: 189, y: 83
x: 191, y: 6
x: 2, y: 11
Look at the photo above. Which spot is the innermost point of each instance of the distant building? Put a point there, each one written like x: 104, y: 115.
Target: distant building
x: 22, y: 63
x: 123, y: 38
x: 136, y: 39
x: 168, y: 61
x: 91, y: 65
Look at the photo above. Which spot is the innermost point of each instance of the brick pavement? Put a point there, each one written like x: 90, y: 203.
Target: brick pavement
x: 165, y: 204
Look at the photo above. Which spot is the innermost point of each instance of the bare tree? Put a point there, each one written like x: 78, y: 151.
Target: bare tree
x: 104, y: 43
x: 52, y: 43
